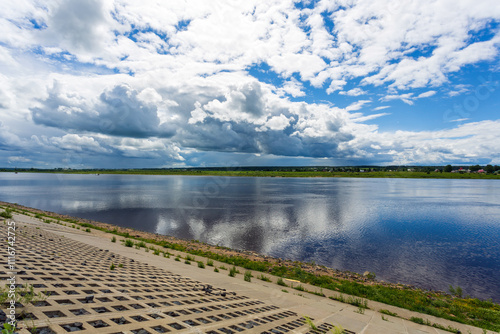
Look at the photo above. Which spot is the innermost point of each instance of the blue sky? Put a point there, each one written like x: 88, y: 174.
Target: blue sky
x: 123, y: 84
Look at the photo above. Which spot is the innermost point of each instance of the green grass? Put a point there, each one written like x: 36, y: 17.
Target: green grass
x: 113, y: 239
x: 201, y: 265
x: 233, y: 271
x: 248, y: 276
x: 129, y: 243
x: 23, y: 294
x: 264, y: 278
x: 337, y: 330
x: 310, y: 323
x: 383, y: 311
x: 141, y: 244
x: 7, y: 213
x: 210, y: 263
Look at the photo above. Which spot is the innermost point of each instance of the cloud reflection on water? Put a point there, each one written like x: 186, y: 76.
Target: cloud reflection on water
x: 427, y: 232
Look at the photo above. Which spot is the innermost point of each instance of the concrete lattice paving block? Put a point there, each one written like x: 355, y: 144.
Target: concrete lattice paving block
x: 85, y: 295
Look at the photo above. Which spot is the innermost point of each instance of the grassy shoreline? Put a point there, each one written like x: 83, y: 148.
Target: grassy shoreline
x: 472, y: 311
x: 266, y: 173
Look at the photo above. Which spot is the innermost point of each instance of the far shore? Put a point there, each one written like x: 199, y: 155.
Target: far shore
x: 288, y: 173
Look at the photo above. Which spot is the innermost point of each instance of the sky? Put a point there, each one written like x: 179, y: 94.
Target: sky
x: 153, y: 84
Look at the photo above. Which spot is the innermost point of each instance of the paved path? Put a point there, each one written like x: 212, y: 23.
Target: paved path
x: 148, y: 293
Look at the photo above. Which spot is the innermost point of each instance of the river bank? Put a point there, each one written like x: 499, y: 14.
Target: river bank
x: 437, y: 303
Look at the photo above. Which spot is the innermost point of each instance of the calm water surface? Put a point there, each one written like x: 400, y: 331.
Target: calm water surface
x: 431, y: 233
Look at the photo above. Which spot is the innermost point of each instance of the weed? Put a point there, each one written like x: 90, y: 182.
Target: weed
x: 371, y: 275
x: 281, y: 282
x: 310, y: 323
x: 113, y: 239
x: 384, y: 318
x: 129, y: 243
x: 222, y: 268
x: 361, y: 310
x: 318, y: 293
x: 190, y: 258
x: 357, y: 302
x: 6, y: 214
x: 337, y: 329
x: 210, y: 263
x: 284, y: 290
x: 156, y: 251
x: 248, y: 276
x: 418, y: 320
x: 457, y: 292
x: 178, y: 258
x: 87, y: 230
x: 300, y: 288
x: 112, y: 267
x: 388, y: 313
x: 24, y: 294
x: 448, y: 328
x: 201, y: 265
x: 120, y: 265
x: 216, y: 270
x: 187, y: 262
x: 264, y: 278
x: 233, y: 271
x: 8, y: 328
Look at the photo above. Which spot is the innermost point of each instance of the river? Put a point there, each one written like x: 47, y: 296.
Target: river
x: 427, y: 232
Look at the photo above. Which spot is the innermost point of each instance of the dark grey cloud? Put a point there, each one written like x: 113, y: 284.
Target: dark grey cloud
x: 244, y: 137
x: 215, y: 135
x: 244, y: 119
x: 251, y: 101
x: 248, y: 120
x: 117, y: 112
